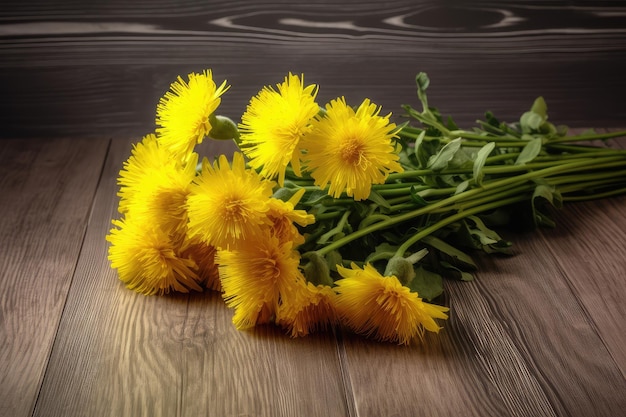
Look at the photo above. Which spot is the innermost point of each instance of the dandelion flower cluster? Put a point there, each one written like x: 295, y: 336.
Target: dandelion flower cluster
x: 247, y: 226
x: 150, y: 246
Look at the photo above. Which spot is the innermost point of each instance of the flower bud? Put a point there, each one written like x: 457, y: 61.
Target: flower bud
x: 316, y: 270
x: 223, y: 128
x: 402, y: 268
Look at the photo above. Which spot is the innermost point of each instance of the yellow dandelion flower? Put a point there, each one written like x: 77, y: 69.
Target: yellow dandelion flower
x: 283, y: 215
x: 308, y: 309
x: 351, y: 150
x: 161, y: 196
x: 382, y: 308
x: 146, y: 158
x: 228, y: 205
x: 255, y: 277
x: 273, y: 124
x: 183, y: 112
x: 147, y: 261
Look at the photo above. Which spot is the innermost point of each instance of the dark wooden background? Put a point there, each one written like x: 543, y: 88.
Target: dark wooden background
x: 542, y: 333
x: 97, y: 68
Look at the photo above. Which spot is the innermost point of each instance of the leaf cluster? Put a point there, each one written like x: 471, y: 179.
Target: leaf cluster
x: 460, y: 188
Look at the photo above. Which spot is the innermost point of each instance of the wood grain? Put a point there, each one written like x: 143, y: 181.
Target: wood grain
x: 119, y: 353
x: 101, y: 67
x: 518, y: 342
x: 519, y: 338
x: 46, y: 192
x: 538, y: 334
x: 592, y: 234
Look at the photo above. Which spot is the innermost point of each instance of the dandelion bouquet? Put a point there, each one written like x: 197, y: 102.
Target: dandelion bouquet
x: 335, y: 215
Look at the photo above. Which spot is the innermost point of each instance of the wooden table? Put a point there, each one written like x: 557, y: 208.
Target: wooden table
x: 541, y: 333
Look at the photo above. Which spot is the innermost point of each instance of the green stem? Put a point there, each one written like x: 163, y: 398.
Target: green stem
x: 507, y: 169
x: 588, y: 136
x: 506, y: 182
x: 490, y: 195
x: 594, y: 196
x: 486, y: 138
x: 581, y: 179
x: 586, y: 186
x: 454, y: 218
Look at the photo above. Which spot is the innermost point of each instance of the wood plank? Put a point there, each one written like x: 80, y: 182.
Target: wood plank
x: 120, y: 353
x: 589, y: 245
x: 46, y: 193
x: 517, y: 343
x: 72, y: 70
x: 597, y: 273
x: 519, y: 338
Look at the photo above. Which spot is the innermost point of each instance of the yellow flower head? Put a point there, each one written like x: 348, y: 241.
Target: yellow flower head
x: 228, y: 205
x: 382, y: 308
x: 308, y: 309
x: 255, y: 276
x: 351, y: 150
x: 146, y: 158
x: 283, y: 215
x: 147, y: 261
x: 162, y: 197
x: 183, y: 112
x: 273, y: 124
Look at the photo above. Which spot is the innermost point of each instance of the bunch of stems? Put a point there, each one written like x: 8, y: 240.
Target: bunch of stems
x: 575, y: 171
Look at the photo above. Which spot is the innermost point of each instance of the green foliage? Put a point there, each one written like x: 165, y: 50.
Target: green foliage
x: 459, y: 190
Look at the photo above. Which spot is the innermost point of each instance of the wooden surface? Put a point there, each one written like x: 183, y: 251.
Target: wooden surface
x: 541, y: 333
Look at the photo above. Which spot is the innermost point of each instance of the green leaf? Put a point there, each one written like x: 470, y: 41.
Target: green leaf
x: 417, y: 199
x: 451, y: 124
x: 316, y: 197
x: 455, y: 256
x: 533, y: 120
x: 440, y: 160
x: 457, y: 272
x: 427, y: 284
x: 545, y: 193
x: 530, y: 151
x: 484, y: 238
x: 463, y: 158
x: 461, y: 187
x: 284, y: 193
x: 375, y: 197
x: 548, y: 193
x: 487, y: 236
x: 502, y: 247
x: 479, y: 162
x: 425, y: 149
x: 382, y: 252
x: 540, y: 107
x: 418, y: 141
